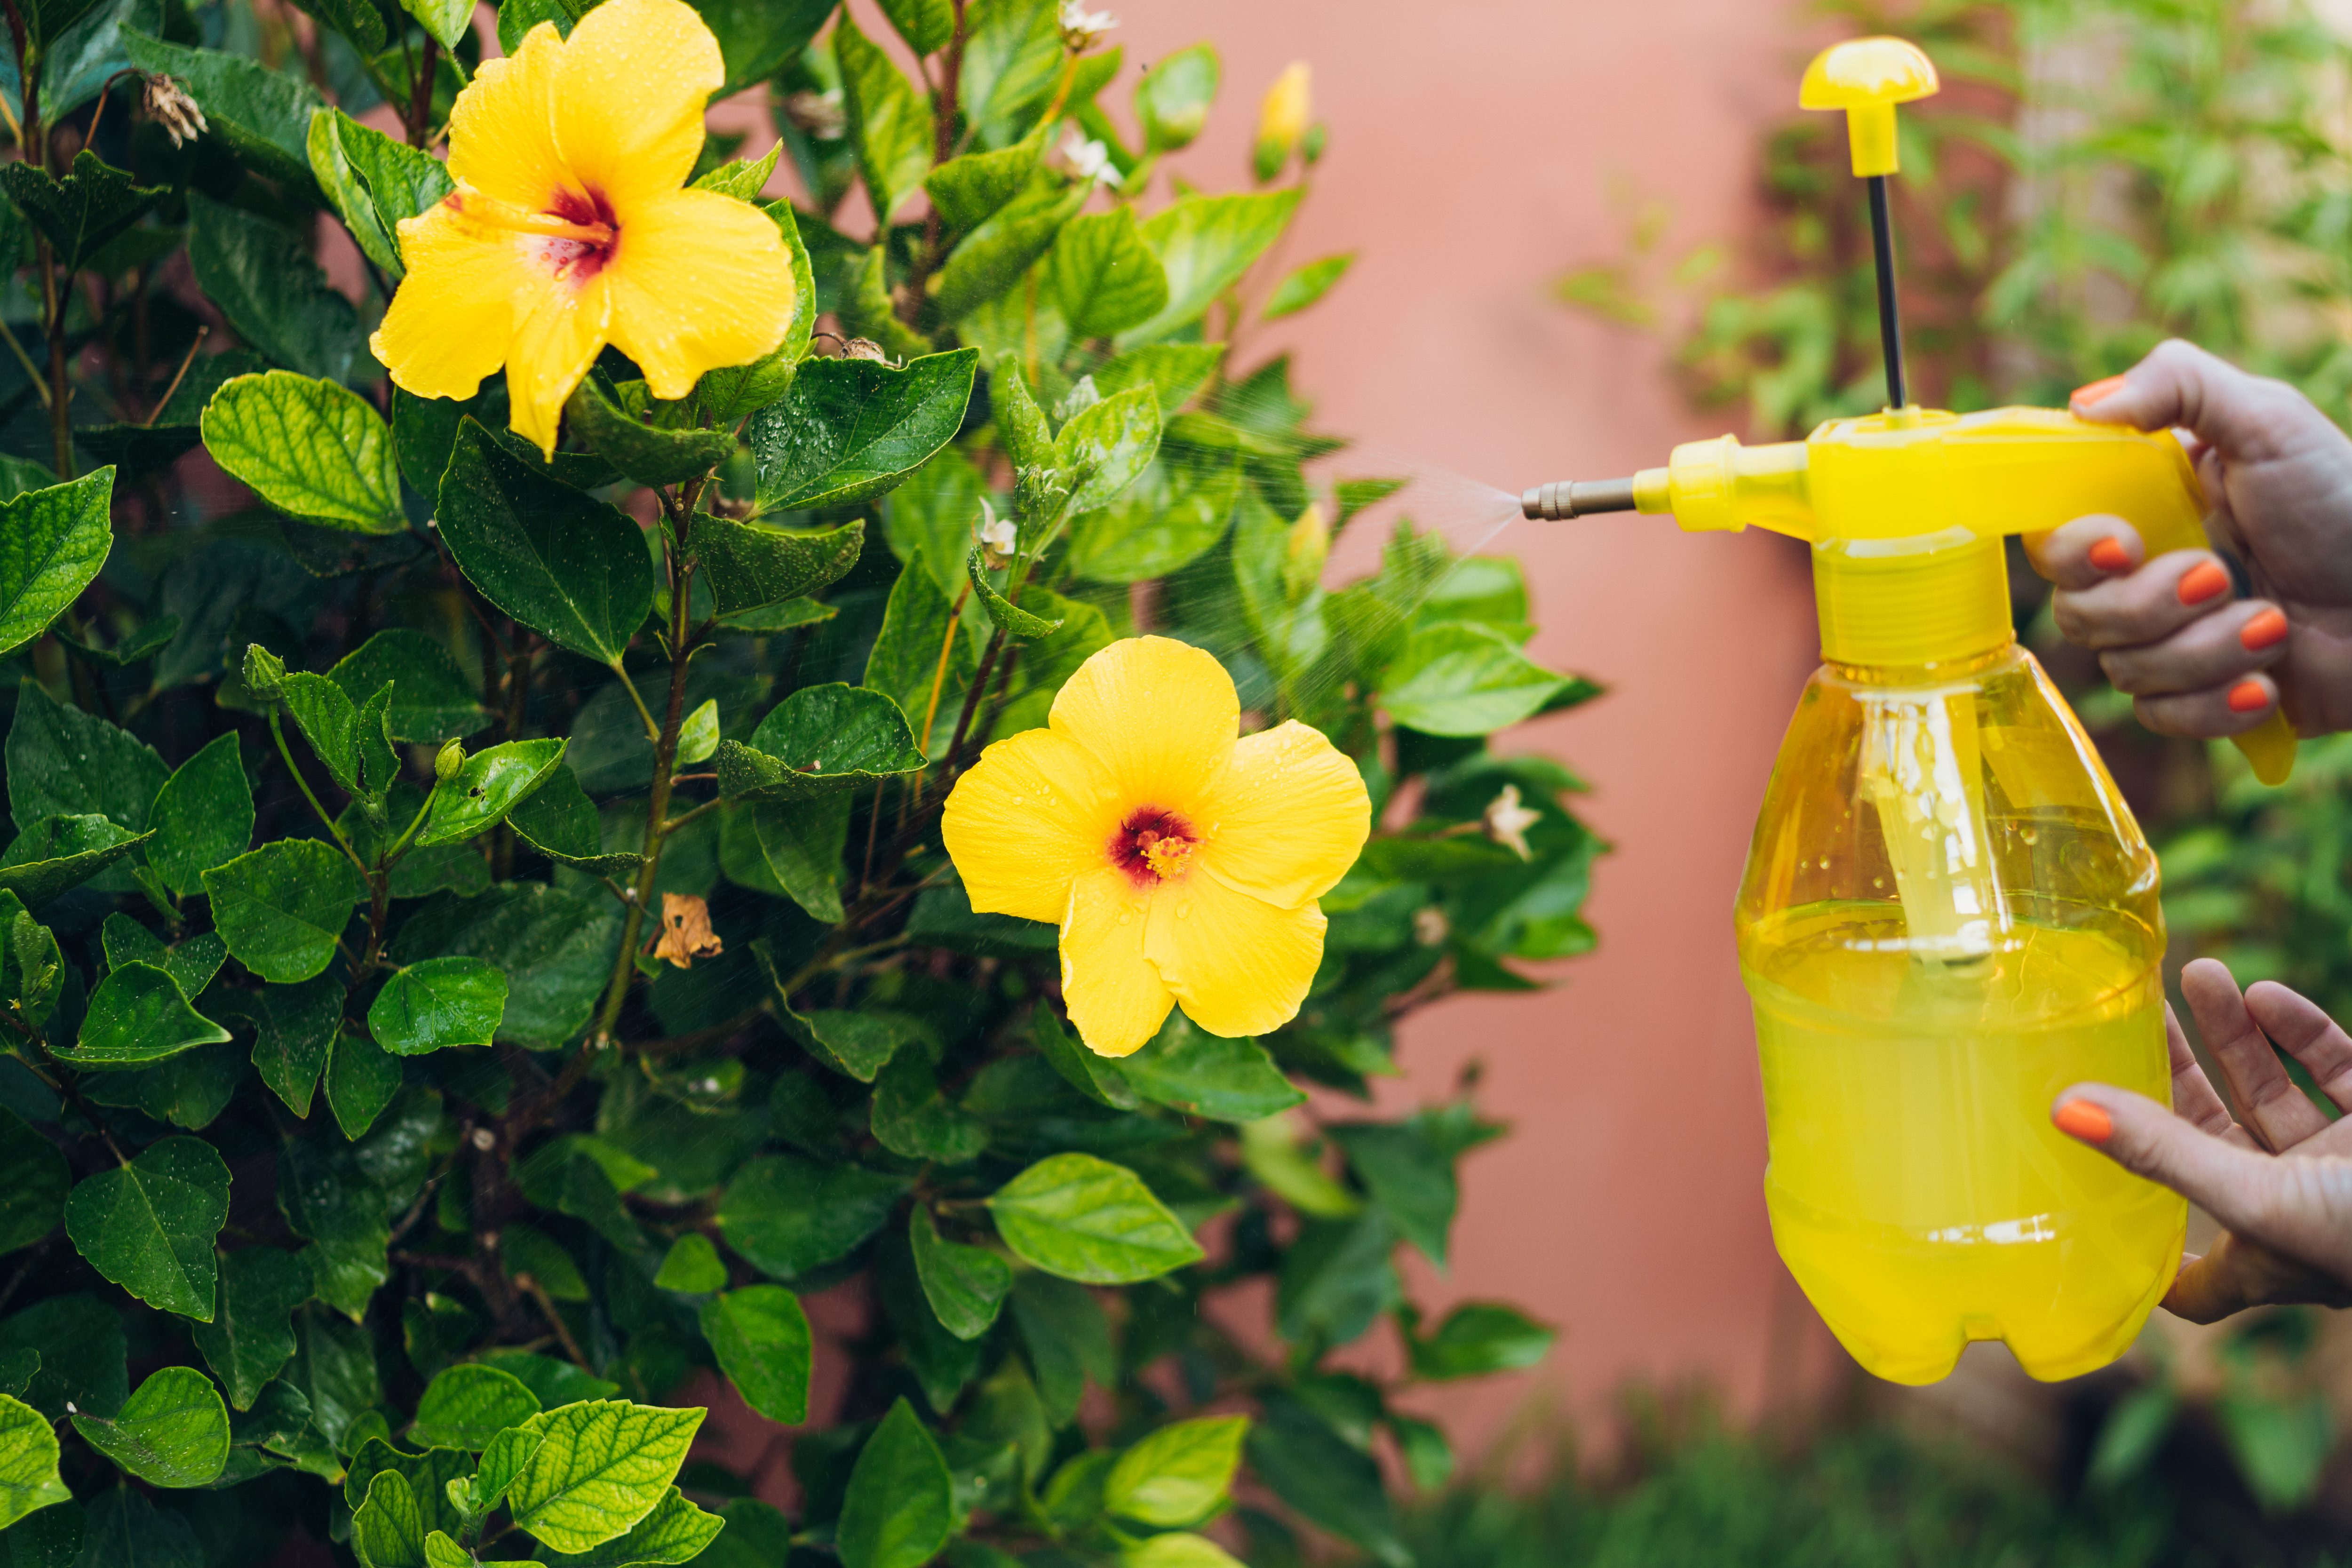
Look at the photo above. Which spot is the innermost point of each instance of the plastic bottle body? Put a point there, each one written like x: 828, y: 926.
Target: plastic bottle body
x: 1949, y: 915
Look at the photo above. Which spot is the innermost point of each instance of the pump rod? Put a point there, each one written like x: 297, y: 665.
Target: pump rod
x: 1890, y: 314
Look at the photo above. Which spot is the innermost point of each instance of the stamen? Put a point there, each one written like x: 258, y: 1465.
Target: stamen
x: 1153, y: 846
x: 493, y: 214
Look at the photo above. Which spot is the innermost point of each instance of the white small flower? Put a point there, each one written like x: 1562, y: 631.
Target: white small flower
x: 820, y: 114
x: 169, y: 105
x: 1082, y: 28
x: 1430, y: 926
x: 1507, y: 821
x: 1088, y: 159
x: 998, y: 537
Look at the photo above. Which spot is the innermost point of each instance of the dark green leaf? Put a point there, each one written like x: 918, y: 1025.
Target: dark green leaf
x: 34, y: 1177
x: 998, y: 254
x: 149, y: 1225
x: 468, y: 1404
x: 77, y: 1340
x: 59, y: 853
x: 293, y: 1026
x: 139, y: 1014
x: 856, y: 1044
x: 249, y: 1339
x: 901, y: 1507
x: 52, y: 543
x: 917, y: 630
x: 1087, y: 1219
x: 1102, y: 1080
x: 1068, y: 1340
x: 445, y: 20
x: 760, y: 1337
x: 966, y: 1286
x: 791, y: 850
x: 349, y: 737
x: 889, y: 123
x: 136, y: 647
x: 570, y: 568
x: 965, y: 191
x: 1305, y: 286
x: 1477, y: 1338
x: 557, y: 1383
x: 850, y: 430
x: 81, y: 213
x: 192, y: 962
x: 912, y: 1118
x: 172, y: 1432
x: 1205, y: 1075
x: 599, y: 1467
x: 759, y: 37
x: 315, y: 450
x: 556, y: 950
x: 362, y: 1079
x: 646, y: 453
x: 926, y: 24
x: 203, y: 816
x: 1204, y: 245
x: 492, y: 782
x: 1456, y: 679
x: 1408, y: 1174
x: 943, y: 1365
x: 281, y: 907
x: 373, y: 181
x: 28, y: 1463
x: 432, y: 701
x: 560, y: 821
x: 1014, y: 622
x: 414, y: 1486
x: 818, y: 741
x: 124, y: 1527
x: 272, y: 292
x: 785, y: 1215
x: 751, y: 565
x: 62, y: 761
x: 334, y: 1368
x: 692, y: 1264
x: 1327, y: 1479
x: 1103, y: 275
x: 438, y: 1002
x: 943, y: 916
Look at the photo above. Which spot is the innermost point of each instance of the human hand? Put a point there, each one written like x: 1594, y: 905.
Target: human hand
x: 2197, y: 658
x: 2280, y: 1181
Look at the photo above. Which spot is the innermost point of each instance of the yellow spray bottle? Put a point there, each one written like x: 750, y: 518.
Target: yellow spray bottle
x: 1949, y: 913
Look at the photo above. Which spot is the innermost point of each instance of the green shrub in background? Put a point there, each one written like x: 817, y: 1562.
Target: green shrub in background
x: 2097, y: 176
x: 376, y: 1173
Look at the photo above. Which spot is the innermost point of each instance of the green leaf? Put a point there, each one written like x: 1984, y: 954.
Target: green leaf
x: 1087, y: 1219
x: 374, y: 182
x: 203, y: 818
x: 1176, y: 369
x: 62, y: 761
x: 1477, y: 1338
x: 139, y: 1014
x: 249, y: 1341
x: 1179, y: 1474
x: 281, y: 907
x: 492, y: 782
x: 743, y: 178
x: 727, y: 394
x: 900, y: 1506
x: 440, y: 1551
x: 1067, y: 1338
x: 918, y: 628
x: 172, y: 1432
x: 850, y: 430
x: 556, y: 950
x: 446, y: 20
x: 152, y: 637
x: 326, y: 1195
x: 966, y: 1286
x: 760, y: 1337
x: 1305, y: 286
x: 751, y: 565
x: 61, y: 853
x: 466, y: 1405
x: 438, y: 1002
x: 794, y: 851
x: 1175, y: 513
x: 388, y: 1527
x: 34, y: 1177
x: 817, y: 741
x: 293, y: 1027
x: 1104, y: 276
x: 1106, y: 445
x: 52, y: 543
x: 965, y: 191
x: 313, y: 449
x: 856, y: 1044
x: 926, y: 24
x: 890, y: 121
x: 349, y: 737
x: 571, y: 569
x: 263, y: 114
x: 505, y: 1456
x: 431, y: 699
x: 759, y: 37
x: 675, y: 1532
x: 785, y: 1215
x: 1456, y: 678
x: 362, y: 1079
x: 1328, y: 1479
x: 1100, y: 1079
x: 28, y: 1463
x: 601, y: 1465
x: 81, y: 213
x: 648, y: 454
x: 1176, y: 1549
x: 1172, y: 99
x: 1014, y: 622
x: 149, y: 1225
x: 557, y: 1383
x: 77, y: 1340
x: 1408, y: 1174
x: 272, y: 292
x: 998, y: 254
x: 911, y: 1116
x: 1187, y: 1068
x: 1204, y: 245
x: 692, y: 1265
x: 559, y: 821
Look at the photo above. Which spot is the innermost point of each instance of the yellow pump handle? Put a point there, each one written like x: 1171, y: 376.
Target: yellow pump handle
x: 1867, y: 78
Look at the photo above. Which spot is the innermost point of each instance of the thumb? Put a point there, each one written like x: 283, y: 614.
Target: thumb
x: 2180, y: 384
x: 2229, y: 1183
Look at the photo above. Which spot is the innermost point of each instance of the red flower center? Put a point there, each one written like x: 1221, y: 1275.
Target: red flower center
x: 578, y: 256
x: 1153, y: 845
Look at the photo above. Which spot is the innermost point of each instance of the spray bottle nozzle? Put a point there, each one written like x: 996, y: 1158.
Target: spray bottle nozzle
x: 1577, y: 498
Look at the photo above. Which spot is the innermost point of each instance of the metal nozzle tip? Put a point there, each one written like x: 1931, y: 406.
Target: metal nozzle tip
x: 1577, y: 498
x: 1531, y: 502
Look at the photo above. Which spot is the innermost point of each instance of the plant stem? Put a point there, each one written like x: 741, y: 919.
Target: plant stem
x: 940, y: 676
x: 277, y: 733
x: 54, y: 301
x: 420, y: 92
x: 943, y: 147
x: 972, y: 697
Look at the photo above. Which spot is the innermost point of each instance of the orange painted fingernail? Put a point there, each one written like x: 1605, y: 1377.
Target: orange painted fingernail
x: 2249, y: 696
x: 2081, y: 1119
x: 2202, y: 581
x: 2265, y: 630
x: 2109, y: 555
x: 2096, y: 390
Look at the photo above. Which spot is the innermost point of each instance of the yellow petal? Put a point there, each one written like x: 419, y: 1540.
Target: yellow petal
x: 553, y: 346
x: 1116, y: 997
x: 1158, y: 714
x: 453, y: 315
x: 629, y: 96
x: 502, y: 126
x: 1238, y: 965
x: 1287, y: 817
x: 700, y: 281
x: 1032, y: 816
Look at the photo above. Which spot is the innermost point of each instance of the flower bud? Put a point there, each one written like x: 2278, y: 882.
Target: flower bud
x: 168, y: 104
x: 265, y: 673
x: 1082, y: 29
x: 999, y: 537
x: 449, y: 760
x: 1309, y: 547
x: 1282, y: 118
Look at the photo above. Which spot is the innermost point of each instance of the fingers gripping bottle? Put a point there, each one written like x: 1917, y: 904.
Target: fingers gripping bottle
x: 1949, y: 914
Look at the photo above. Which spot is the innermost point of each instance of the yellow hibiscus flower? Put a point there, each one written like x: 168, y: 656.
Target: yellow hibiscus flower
x: 1183, y: 865
x: 570, y: 228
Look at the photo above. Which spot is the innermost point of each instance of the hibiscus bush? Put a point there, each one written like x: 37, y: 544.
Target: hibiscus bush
x: 647, y: 816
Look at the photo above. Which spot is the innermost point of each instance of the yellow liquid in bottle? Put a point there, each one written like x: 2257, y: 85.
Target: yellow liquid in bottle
x: 1917, y: 1190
